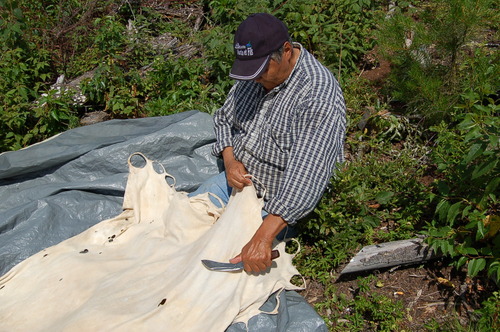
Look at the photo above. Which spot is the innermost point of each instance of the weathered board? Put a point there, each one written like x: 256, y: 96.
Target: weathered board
x: 389, y: 254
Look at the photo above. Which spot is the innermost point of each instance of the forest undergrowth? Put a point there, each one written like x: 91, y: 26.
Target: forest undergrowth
x: 421, y: 84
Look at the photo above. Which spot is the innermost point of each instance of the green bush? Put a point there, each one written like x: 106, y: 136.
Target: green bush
x: 366, y: 311
x: 489, y: 319
x: 467, y: 223
x: 427, y: 46
x: 444, y: 72
x: 34, y: 44
x: 230, y: 13
x: 338, y: 32
x: 23, y: 71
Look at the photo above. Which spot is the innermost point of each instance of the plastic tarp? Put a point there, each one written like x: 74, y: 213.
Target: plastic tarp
x: 56, y: 189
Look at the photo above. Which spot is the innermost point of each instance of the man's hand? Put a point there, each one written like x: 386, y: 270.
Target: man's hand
x: 256, y: 254
x: 235, y: 170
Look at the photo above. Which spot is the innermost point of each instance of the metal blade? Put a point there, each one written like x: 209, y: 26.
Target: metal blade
x: 222, y: 267
x: 229, y: 267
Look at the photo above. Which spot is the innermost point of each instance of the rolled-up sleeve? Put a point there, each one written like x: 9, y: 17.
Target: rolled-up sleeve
x: 222, y: 125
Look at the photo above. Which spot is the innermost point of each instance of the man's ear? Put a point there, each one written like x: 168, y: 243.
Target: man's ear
x: 288, y: 48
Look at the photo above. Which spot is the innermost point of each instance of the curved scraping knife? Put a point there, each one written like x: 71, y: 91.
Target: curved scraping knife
x: 229, y: 267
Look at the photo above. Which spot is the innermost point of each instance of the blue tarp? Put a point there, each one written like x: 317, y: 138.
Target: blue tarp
x: 58, y: 188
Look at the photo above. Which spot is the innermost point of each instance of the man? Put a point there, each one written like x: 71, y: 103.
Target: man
x: 283, y: 122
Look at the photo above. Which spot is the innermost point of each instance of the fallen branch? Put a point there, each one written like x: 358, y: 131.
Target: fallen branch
x: 403, y: 252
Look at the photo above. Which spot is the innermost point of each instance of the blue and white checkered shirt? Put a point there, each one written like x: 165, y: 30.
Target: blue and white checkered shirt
x: 289, y: 138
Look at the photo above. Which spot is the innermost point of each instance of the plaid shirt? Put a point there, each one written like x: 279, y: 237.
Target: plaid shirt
x: 290, y: 138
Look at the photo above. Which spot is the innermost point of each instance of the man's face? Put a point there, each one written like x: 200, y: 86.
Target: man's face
x: 271, y: 77
x: 277, y: 72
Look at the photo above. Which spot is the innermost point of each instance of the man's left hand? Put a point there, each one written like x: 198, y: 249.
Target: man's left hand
x: 256, y: 254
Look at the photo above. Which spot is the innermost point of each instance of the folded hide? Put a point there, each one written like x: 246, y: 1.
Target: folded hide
x: 142, y: 271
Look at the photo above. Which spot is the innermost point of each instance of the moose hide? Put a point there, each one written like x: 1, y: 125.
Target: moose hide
x: 142, y: 270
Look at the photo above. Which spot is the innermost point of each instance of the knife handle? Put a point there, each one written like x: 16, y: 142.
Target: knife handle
x: 275, y: 254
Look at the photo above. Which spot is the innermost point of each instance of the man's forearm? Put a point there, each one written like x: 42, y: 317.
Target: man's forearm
x: 228, y: 155
x: 256, y: 254
x: 270, y: 227
x: 235, y: 170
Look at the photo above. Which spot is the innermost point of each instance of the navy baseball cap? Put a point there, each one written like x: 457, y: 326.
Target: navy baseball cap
x: 255, y: 39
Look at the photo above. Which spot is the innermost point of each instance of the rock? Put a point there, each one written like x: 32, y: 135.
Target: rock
x: 94, y: 117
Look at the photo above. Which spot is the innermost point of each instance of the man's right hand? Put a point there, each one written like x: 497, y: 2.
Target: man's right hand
x: 235, y: 170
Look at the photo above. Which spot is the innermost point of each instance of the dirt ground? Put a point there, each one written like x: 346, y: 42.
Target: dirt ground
x: 432, y: 291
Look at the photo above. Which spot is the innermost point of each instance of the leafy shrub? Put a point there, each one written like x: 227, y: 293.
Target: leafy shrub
x: 230, y: 13
x: 183, y: 83
x: 489, y: 319
x: 23, y: 70
x: 367, y: 311
x: 442, y: 73
x: 218, y: 58
x: 338, y: 32
x: 467, y: 224
x: 427, y: 46
x: 110, y: 37
x: 114, y: 89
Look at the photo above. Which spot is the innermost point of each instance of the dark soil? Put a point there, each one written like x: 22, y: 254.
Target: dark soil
x: 432, y: 292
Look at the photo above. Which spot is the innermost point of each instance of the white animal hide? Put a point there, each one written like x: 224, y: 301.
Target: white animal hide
x: 142, y: 270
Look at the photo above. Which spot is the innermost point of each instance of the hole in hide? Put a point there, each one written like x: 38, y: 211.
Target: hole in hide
x: 138, y: 161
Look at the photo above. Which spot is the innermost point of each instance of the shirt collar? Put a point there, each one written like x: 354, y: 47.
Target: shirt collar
x: 299, y: 59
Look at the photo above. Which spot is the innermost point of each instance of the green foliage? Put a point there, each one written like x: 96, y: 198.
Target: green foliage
x: 23, y: 69
x: 366, y: 311
x: 467, y: 223
x: 184, y: 83
x: 338, y: 32
x: 441, y: 69
x: 27, y: 61
x: 55, y: 112
x: 427, y: 47
x: 114, y: 88
x: 12, y: 25
x: 44, y: 40
x: 490, y: 314
x: 218, y: 50
x: 110, y: 38
x: 230, y: 13
x: 441, y: 72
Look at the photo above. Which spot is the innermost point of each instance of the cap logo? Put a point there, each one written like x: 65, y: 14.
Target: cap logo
x: 244, y: 50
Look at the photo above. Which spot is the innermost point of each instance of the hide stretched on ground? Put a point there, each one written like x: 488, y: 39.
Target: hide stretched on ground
x: 142, y: 271
x: 59, y: 188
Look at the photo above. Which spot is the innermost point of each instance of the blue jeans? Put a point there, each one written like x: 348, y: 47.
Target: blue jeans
x: 218, y: 186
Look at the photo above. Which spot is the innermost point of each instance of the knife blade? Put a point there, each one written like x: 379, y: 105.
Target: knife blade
x: 230, y: 267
